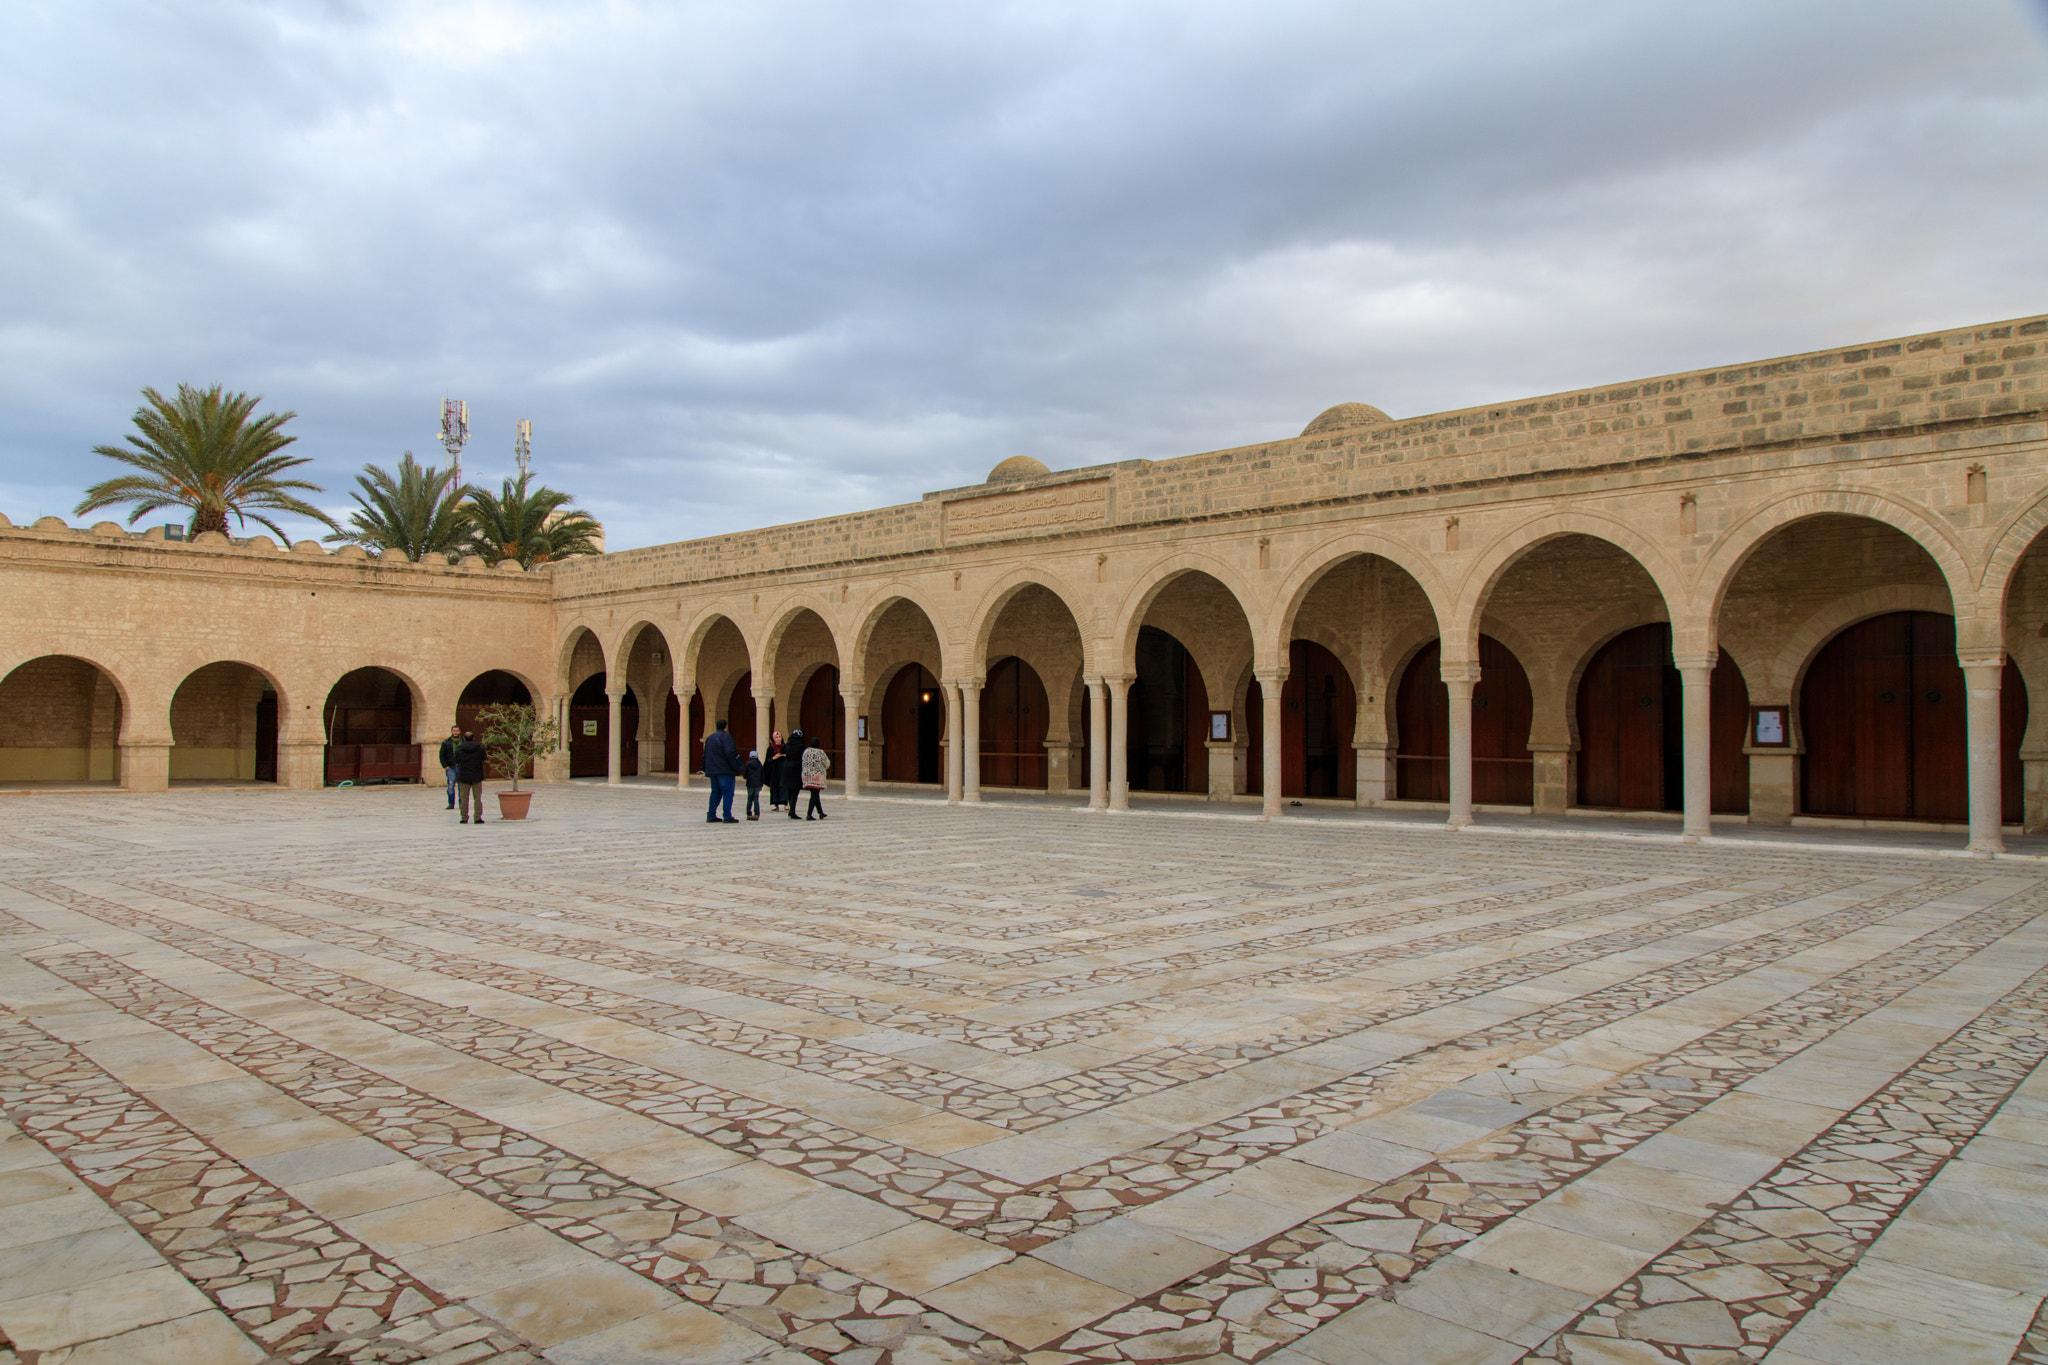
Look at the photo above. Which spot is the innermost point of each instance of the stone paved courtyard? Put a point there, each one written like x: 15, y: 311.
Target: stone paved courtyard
x: 325, y: 1077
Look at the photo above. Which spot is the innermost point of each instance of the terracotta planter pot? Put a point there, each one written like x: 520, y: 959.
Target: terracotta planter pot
x: 512, y: 805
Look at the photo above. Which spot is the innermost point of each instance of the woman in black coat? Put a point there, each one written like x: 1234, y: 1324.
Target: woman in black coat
x: 793, y: 770
x: 771, y: 768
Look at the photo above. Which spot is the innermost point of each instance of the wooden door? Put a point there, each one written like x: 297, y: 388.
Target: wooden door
x: 740, y: 717
x: 1884, y: 718
x: 1628, y: 722
x: 1014, y: 717
x: 672, y: 733
x: 823, y: 716
x: 1318, y: 712
x: 1502, y: 772
x: 266, y: 738
x: 913, y: 721
x: 1729, y: 727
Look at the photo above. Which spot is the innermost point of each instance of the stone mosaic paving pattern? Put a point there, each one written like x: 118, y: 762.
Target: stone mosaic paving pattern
x: 325, y: 1077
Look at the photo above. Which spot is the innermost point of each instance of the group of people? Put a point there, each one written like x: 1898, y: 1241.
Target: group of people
x: 462, y: 760
x: 792, y: 766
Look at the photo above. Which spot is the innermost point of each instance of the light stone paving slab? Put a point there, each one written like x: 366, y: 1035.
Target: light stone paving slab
x: 912, y: 1089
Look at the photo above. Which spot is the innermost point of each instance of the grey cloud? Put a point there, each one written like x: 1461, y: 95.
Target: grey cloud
x: 747, y: 263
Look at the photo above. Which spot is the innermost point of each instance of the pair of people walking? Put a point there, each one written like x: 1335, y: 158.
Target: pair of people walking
x: 790, y: 768
x: 463, y: 758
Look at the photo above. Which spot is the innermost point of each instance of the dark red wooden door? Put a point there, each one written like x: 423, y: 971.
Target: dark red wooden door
x: 913, y: 718
x: 1728, y: 726
x: 740, y: 717
x: 1884, y: 717
x: 823, y: 717
x: 1014, y: 715
x: 671, y: 733
x: 1318, y: 712
x: 1502, y: 773
x: 1629, y: 715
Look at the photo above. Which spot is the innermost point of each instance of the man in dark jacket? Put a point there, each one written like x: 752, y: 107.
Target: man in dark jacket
x: 469, y: 776
x: 448, y: 760
x: 721, y: 765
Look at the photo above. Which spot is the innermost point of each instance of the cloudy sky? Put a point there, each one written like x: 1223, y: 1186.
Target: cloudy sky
x: 749, y: 263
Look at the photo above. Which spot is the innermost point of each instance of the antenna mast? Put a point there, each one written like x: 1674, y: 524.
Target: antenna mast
x: 455, y: 432
x: 522, y: 448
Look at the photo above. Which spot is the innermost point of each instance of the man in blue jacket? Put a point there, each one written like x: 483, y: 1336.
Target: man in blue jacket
x: 721, y: 765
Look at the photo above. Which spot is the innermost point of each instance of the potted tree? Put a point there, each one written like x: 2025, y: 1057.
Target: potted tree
x: 513, y: 736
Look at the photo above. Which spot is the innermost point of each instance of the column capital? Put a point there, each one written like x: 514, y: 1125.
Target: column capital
x: 1981, y: 658
x: 1705, y: 663
x: 1464, y: 673
x: 1270, y: 675
x: 763, y: 693
x: 1112, y: 679
x: 615, y: 691
x: 851, y: 692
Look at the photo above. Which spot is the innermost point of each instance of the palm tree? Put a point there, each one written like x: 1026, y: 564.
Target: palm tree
x: 202, y: 451
x: 532, y: 527
x: 418, y: 513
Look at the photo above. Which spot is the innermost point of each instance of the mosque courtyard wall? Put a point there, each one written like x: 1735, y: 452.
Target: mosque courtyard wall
x: 1589, y: 600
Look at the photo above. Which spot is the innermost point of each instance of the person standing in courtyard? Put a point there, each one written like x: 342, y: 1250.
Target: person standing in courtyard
x: 771, y: 768
x: 469, y: 776
x: 721, y: 765
x: 793, y: 770
x: 817, y: 767
x: 447, y: 757
x: 751, y: 774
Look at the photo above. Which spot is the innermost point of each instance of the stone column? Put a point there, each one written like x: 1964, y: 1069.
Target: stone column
x: 553, y: 766
x: 1459, y: 680
x: 1696, y: 683
x: 1098, y: 745
x: 955, y: 769
x: 970, y: 747
x: 683, y: 737
x: 1119, y: 742
x: 1982, y: 678
x: 146, y: 763
x: 851, y: 697
x: 614, y: 717
x: 1271, y: 681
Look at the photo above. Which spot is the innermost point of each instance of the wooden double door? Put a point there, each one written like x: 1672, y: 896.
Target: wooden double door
x: 1502, y: 771
x: 1883, y: 714
x: 1631, y: 724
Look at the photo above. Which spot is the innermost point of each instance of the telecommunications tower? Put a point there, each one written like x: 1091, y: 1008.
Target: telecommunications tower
x: 522, y: 448
x: 455, y: 432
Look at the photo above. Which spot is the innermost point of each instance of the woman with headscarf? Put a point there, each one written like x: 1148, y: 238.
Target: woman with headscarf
x: 771, y: 768
x: 793, y: 770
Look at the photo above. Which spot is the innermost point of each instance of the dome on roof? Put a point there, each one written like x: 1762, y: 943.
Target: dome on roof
x: 1345, y: 416
x: 1017, y: 467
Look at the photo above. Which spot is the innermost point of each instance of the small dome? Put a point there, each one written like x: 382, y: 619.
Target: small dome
x: 1017, y: 467
x: 1345, y: 416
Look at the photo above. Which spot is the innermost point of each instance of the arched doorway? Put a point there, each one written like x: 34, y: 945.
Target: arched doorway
x: 1502, y: 772
x: 224, y: 726
x: 742, y: 718
x: 368, y: 723
x: 1632, y: 727
x: 1883, y: 716
x: 913, y: 724
x: 1014, y: 716
x: 822, y: 716
x: 590, y: 716
x: 60, y: 721
x: 1318, y: 713
x: 495, y: 688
